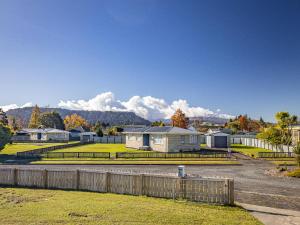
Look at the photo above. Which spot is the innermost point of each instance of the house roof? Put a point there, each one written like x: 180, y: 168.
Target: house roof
x: 77, y: 130
x: 88, y: 133
x: 165, y: 129
x: 219, y: 133
x: 46, y: 130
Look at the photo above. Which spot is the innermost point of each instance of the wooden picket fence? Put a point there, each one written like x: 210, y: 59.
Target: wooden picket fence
x: 208, y: 190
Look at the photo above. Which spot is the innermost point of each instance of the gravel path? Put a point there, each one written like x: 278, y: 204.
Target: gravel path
x: 252, y: 185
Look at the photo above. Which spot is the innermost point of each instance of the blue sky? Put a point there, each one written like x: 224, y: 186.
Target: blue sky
x: 236, y: 56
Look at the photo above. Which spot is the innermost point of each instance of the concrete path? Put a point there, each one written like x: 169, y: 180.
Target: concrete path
x: 273, y: 216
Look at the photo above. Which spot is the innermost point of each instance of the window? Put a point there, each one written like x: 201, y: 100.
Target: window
x: 157, y: 139
x: 131, y: 137
x: 193, y: 139
x: 182, y: 139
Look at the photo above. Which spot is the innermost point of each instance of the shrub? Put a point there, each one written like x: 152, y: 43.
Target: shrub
x: 297, y: 153
x: 295, y: 173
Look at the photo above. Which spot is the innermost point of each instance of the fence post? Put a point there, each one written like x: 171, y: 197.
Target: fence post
x: 141, y: 192
x: 230, y: 191
x: 182, y: 188
x: 77, y: 179
x: 45, y: 175
x: 15, y: 177
x: 108, y: 181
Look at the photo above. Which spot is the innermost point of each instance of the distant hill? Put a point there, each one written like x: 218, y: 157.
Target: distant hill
x: 207, y: 119
x: 113, y: 118
x: 210, y: 119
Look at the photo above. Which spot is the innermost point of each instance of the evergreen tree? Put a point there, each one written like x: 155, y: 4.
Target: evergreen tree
x: 51, y: 120
x: 35, y: 117
x: 3, y: 118
x: 5, y: 135
x: 98, y: 129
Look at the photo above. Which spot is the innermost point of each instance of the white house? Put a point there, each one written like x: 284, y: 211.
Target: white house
x: 163, y: 139
x: 48, y: 134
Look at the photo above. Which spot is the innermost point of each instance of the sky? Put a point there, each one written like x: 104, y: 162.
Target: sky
x: 221, y: 58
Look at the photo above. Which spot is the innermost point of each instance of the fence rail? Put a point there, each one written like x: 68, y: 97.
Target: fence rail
x: 37, y: 152
x: 127, y: 155
x: 208, y: 190
x: 254, y: 142
x: 276, y: 155
x: 105, y: 155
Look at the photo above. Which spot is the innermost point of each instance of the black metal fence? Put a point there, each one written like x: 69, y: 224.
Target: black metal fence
x: 129, y: 155
x: 276, y: 155
x: 105, y: 155
x: 36, y: 152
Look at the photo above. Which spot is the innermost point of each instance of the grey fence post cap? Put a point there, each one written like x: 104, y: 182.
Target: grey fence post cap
x: 181, y: 171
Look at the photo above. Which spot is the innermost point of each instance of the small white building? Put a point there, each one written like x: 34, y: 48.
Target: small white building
x: 217, y: 140
x: 48, y: 134
x: 163, y: 139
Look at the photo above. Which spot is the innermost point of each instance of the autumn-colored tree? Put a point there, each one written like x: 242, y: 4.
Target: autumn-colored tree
x: 35, y: 116
x: 179, y: 119
x: 243, y: 122
x: 73, y: 121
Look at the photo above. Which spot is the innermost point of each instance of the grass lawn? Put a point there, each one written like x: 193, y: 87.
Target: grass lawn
x: 136, y: 162
x: 248, y: 150
x: 112, y: 148
x: 283, y: 163
x: 12, y: 149
x: 27, y: 206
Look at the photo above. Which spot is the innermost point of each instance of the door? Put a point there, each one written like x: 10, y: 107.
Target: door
x: 145, y: 139
x: 39, y: 136
x: 221, y: 141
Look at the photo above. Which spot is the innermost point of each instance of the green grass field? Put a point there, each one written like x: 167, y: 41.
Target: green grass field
x: 248, y: 150
x: 12, y: 149
x: 112, y: 148
x: 28, y: 206
x: 134, y: 162
x: 284, y: 163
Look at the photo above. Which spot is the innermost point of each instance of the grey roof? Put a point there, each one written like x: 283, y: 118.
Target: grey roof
x: 46, y: 130
x: 217, y: 134
x: 134, y: 129
x: 165, y: 129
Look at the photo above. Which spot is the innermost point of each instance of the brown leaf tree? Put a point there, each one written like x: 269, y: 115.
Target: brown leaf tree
x: 179, y: 119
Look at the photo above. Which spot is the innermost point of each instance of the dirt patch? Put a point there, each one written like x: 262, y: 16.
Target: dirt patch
x: 12, y: 197
x: 76, y: 214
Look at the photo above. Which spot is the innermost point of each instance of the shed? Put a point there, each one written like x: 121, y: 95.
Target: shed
x: 218, y: 140
x: 87, y: 136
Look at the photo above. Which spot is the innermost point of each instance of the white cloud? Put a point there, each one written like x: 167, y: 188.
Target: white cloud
x: 15, y: 106
x: 147, y: 107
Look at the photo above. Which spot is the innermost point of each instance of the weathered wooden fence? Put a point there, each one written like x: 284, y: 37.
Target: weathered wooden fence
x: 36, y: 152
x: 208, y: 190
x: 254, y: 142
